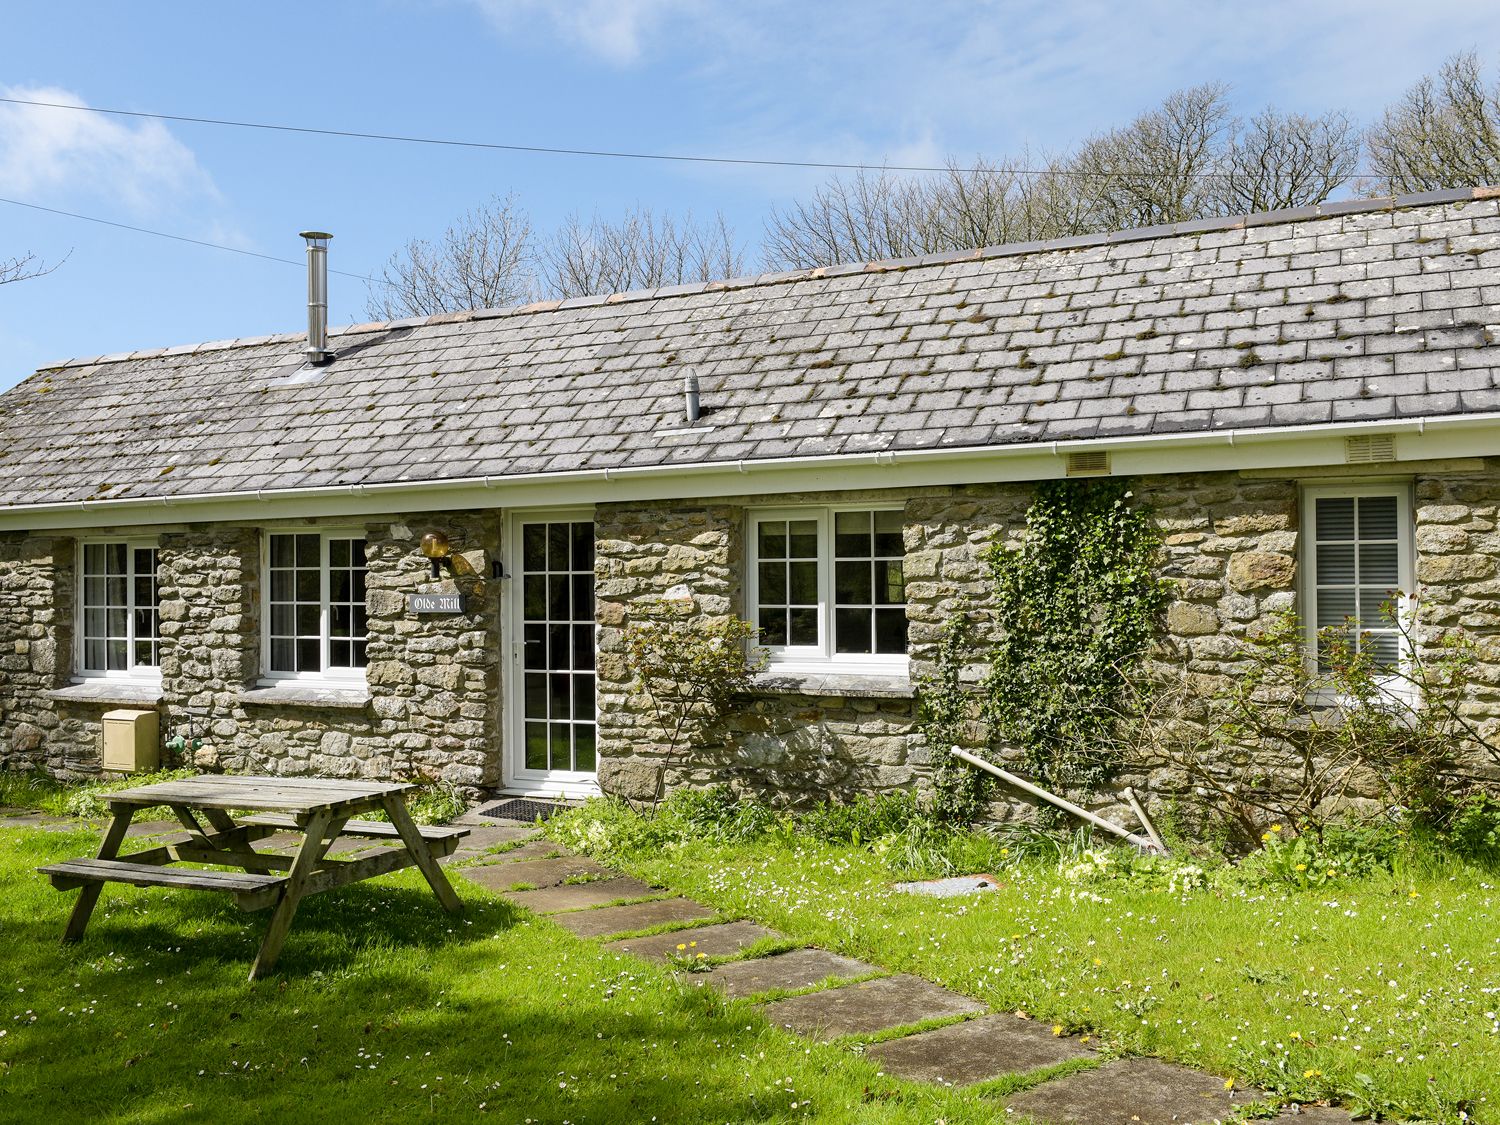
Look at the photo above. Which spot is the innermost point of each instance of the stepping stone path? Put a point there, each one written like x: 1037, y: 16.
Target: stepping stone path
x: 796, y: 969
x: 582, y: 896
x: 607, y: 920
x: 722, y: 940
x: 538, y: 873
x: 1134, y: 1091
x: 868, y: 1007
x: 1131, y: 1091
x: 976, y: 1050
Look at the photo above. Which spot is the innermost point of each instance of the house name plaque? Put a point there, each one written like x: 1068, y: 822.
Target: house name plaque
x: 434, y: 603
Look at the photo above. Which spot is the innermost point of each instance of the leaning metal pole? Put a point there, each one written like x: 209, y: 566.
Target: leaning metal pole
x: 1021, y: 783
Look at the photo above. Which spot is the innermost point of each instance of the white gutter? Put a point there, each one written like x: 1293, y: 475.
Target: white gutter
x: 607, y: 480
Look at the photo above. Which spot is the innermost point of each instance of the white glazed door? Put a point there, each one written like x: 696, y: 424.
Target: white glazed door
x: 555, y: 720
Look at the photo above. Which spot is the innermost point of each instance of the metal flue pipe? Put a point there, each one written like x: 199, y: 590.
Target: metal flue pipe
x: 317, y: 296
x: 690, y: 394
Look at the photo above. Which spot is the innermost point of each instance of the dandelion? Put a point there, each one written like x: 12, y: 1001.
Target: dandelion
x: 1229, y: 1083
x: 680, y: 947
x: 1057, y: 1029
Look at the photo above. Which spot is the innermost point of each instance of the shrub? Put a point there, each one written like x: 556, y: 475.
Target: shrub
x: 688, y: 667
x: 864, y: 819
x: 1292, y: 741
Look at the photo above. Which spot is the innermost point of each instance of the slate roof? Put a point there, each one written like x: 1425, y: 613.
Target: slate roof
x: 1363, y: 310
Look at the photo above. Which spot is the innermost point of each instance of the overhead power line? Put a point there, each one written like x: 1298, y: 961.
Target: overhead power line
x: 182, y: 238
x: 613, y: 154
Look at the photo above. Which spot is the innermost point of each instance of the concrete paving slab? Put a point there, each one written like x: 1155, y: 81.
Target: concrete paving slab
x: 637, y: 916
x: 552, y: 900
x: 537, y: 872
x: 976, y: 1051
x: 532, y: 849
x: 721, y: 940
x: 36, y: 820
x: 483, y: 837
x: 797, y: 968
x: 1132, y: 1092
x: 868, y: 1007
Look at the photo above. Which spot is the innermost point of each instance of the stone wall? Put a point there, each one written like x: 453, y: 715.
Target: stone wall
x: 434, y: 701
x: 432, y: 706
x: 1457, y: 519
x: 36, y: 648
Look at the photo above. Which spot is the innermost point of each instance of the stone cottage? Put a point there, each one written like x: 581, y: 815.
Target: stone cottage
x: 408, y: 548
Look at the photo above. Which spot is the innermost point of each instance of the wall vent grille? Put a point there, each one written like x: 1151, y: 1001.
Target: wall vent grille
x: 1369, y: 448
x: 1088, y: 464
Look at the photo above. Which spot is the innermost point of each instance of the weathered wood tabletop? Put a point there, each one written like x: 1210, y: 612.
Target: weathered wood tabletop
x: 319, y: 809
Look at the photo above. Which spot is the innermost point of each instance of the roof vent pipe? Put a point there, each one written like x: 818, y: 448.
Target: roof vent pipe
x: 690, y: 392
x: 317, y: 296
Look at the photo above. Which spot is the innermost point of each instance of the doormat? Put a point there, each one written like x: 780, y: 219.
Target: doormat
x: 520, y: 808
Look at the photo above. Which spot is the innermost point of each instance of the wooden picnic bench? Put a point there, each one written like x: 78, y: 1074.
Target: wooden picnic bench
x: 318, y: 809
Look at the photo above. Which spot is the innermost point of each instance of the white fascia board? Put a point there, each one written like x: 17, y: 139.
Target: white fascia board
x: 1302, y: 447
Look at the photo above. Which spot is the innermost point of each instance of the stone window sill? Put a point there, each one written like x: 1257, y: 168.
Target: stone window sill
x: 139, y: 694
x: 832, y: 684
x: 346, y: 697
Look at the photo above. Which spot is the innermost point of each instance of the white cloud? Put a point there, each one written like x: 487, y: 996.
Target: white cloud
x: 139, y: 163
x: 615, y: 30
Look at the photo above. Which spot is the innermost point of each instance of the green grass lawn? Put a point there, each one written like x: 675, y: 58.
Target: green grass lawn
x: 383, y: 1008
x: 1382, y: 991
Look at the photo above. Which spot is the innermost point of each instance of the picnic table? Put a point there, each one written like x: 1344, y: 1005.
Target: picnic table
x: 224, y: 816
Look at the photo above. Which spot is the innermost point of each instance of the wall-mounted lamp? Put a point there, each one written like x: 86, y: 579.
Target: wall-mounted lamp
x: 436, y: 547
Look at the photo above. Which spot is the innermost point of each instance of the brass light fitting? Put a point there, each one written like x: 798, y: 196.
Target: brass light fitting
x: 436, y: 547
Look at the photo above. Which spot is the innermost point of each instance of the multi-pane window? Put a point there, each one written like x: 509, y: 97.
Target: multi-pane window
x: 826, y: 585
x: 787, y: 572
x: 869, y: 590
x: 118, y: 600
x: 315, y: 602
x: 1360, y: 565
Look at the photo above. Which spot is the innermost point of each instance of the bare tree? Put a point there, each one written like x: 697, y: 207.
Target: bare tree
x: 485, y: 260
x: 1188, y: 158
x: 24, y: 267
x: 1445, y: 132
x: 640, y: 251
x: 1160, y: 168
x: 1285, y: 160
x: 875, y: 215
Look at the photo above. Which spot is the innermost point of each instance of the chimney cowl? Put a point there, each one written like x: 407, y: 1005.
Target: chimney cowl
x: 317, y: 296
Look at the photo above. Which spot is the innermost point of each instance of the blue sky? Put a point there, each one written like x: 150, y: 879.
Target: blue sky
x: 870, y: 80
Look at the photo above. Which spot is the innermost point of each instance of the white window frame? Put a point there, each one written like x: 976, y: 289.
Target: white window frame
x: 346, y: 677
x: 820, y: 658
x: 133, y: 672
x: 1406, y: 549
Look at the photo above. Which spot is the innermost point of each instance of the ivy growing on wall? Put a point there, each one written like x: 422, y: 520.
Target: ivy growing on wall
x: 1077, y: 604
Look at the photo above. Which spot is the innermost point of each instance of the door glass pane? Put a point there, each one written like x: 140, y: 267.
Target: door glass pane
x: 536, y: 696
x: 536, y: 746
